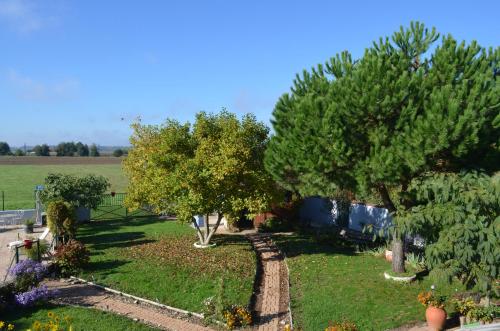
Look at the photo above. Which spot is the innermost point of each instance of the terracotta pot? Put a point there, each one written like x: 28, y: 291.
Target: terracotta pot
x: 27, y: 243
x: 436, y: 317
x: 388, y: 255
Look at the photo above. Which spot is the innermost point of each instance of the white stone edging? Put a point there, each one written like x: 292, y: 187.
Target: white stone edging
x: 157, y: 304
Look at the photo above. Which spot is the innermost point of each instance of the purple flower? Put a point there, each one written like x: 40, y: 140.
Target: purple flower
x: 30, y: 297
x: 29, y: 267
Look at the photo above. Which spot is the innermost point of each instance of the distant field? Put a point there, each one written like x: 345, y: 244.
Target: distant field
x: 19, y: 180
x: 58, y: 160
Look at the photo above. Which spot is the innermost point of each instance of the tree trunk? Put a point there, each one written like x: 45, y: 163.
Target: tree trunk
x: 214, y: 228
x: 207, y: 226
x: 198, y: 231
x: 398, y: 256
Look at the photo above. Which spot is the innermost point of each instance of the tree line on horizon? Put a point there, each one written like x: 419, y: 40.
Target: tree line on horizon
x: 62, y: 149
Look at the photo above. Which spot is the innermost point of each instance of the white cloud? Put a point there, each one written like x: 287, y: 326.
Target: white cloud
x: 29, y: 89
x: 24, y: 15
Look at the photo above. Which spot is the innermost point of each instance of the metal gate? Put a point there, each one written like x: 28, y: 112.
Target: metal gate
x: 112, y: 206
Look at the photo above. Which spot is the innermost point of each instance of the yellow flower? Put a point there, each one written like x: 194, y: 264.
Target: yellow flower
x: 10, y: 327
x: 50, y: 314
x: 2, y: 323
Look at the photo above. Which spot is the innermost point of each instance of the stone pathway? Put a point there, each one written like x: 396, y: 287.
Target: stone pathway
x: 91, y: 296
x: 272, y: 299
x: 8, y: 234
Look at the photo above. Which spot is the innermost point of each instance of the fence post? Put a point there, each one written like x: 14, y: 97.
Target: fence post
x: 3, y: 201
x: 17, y: 254
x: 38, y: 250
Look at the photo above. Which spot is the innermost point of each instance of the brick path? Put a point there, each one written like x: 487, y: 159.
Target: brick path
x: 272, y: 299
x: 86, y: 295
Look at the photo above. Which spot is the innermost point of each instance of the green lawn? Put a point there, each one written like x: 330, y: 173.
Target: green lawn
x: 18, y: 181
x: 83, y: 319
x: 156, y: 259
x: 330, y: 284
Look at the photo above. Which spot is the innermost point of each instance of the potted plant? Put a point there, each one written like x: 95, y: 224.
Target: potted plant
x: 464, y: 307
x: 28, y: 226
x: 483, y: 315
x: 435, y: 313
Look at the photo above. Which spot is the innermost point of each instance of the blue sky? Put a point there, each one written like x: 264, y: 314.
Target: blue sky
x: 84, y: 70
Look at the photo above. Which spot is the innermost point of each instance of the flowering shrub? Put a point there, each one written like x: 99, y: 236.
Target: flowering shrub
x: 430, y: 299
x: 27, y: 274
x: 484, y: 314
x: 342, y: 326
x: 29, y: 298
x: 233, y: 315
x: 463, y: 306
x: 6, y: 326
x: 236, y: 316
x: 54, y: 323
x: 71, y: 257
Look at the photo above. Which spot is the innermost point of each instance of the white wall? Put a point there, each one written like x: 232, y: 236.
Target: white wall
x: 14, y: 217
x: 323, y: 212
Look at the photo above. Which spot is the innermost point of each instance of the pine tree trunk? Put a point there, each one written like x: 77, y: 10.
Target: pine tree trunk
x: 398, y: 257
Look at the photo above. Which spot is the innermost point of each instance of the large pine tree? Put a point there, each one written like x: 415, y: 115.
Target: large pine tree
x: 410, y: 105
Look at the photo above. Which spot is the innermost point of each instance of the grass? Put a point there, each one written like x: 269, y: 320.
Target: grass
x: 83, y: 319
x: 156, y: 259
x: 18, y: 181
x: 331, y: 283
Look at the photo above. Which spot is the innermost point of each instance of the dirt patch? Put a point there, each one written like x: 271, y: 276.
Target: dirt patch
x: 55, y: 160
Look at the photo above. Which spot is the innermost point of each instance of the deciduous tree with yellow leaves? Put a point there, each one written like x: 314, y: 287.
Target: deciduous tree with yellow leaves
x: 212, y: 166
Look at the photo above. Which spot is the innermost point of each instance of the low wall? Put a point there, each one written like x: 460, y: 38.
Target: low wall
x: 15, y: 217
x: 320, y: 212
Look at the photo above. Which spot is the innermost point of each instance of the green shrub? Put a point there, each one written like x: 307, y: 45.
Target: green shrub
x: 415, y: 261
x: 71, y: 257
x: 342, y: 326
x: 61, y: 219
x: 378, y: 251
x: 7, y: 292
x: 32, y: 253
x: 118, y: 152
x: 29, y: 222
x: 275, y: 224
x: 83, y: 191
x: 484, y: 314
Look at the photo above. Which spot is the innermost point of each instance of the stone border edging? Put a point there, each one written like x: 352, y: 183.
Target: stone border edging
x: 160, y: 305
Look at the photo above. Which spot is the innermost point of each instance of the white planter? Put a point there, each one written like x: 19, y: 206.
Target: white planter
x: 198, y: 245
x: 405, y: 279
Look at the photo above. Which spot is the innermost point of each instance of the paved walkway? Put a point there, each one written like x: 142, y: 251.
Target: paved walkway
x: 91, y: 296
x: 9, y: 234
x: 272, y: 298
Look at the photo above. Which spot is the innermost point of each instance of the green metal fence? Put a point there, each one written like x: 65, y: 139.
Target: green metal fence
x: 112, y: 206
